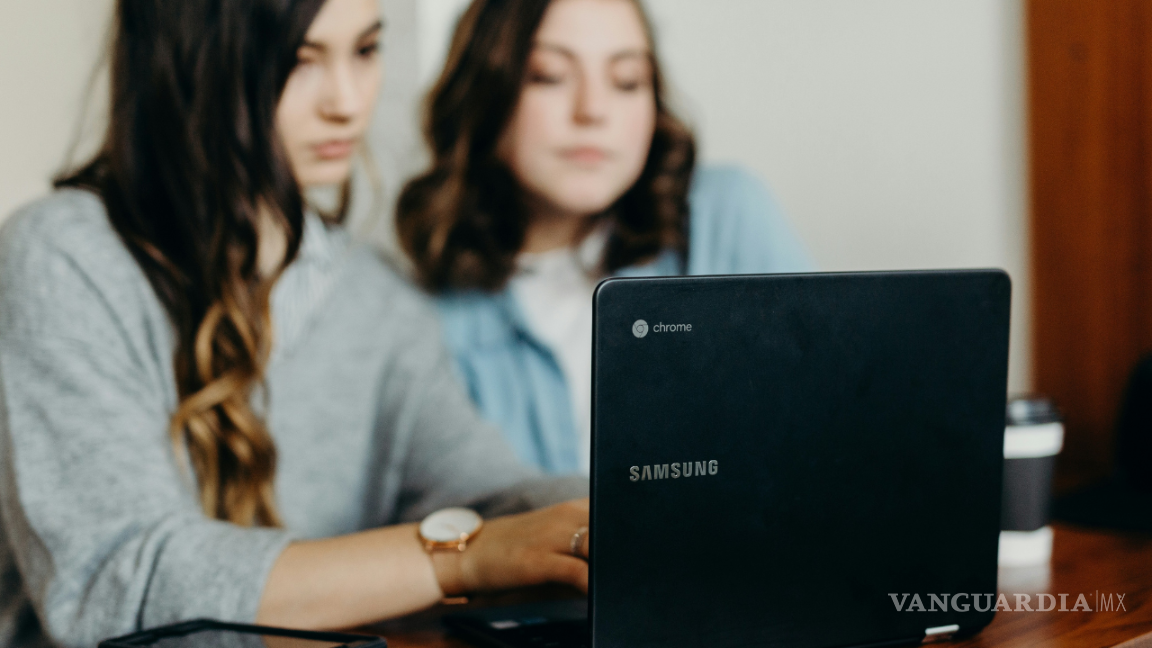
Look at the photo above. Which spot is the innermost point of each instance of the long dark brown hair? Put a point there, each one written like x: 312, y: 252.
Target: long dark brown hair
x: 464, y: 220
x: 190, y: 162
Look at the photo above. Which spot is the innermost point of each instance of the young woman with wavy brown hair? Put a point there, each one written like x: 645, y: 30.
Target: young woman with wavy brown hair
x: 557, y: 162
x: 212, y: 403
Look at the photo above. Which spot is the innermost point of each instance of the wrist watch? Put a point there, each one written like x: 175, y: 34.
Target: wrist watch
x: 449, y: 529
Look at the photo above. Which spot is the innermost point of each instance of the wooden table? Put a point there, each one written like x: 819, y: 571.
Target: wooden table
x: 1084, y: 562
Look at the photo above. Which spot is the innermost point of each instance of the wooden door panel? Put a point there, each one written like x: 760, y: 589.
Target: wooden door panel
x: 1090, y: 123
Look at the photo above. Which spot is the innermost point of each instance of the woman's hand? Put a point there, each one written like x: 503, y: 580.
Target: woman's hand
x: 520, y: 550
x: 381, y: 573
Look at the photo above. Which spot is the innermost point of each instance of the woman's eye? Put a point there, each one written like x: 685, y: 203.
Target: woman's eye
x: 631, y: 75
x: 306, y: 56
x: 545, y: 78
x: 369, y: 50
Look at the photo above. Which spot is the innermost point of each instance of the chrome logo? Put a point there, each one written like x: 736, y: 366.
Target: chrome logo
x: 640, y: 328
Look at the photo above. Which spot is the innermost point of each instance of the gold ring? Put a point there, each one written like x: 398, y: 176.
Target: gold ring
x: 577, y: 541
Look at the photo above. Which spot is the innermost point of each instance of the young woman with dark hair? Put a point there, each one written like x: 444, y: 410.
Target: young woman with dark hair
x: 557, y: 162
x: 212, y: 404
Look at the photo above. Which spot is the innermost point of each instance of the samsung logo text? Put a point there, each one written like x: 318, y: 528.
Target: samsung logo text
x: 673, y: 470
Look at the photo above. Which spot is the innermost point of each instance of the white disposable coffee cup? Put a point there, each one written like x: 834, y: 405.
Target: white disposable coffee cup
x: 1033, y: 437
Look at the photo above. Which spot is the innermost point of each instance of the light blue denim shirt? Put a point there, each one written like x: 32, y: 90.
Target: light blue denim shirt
x: 515, y: 380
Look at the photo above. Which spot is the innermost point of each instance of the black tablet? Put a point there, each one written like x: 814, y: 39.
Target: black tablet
x: 206, y: 633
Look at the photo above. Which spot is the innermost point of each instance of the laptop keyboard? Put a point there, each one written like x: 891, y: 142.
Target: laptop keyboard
x: 546, y: 624
x: 554, y: 634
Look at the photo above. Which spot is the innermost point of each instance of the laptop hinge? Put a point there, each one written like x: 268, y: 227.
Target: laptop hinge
x: 939, y: 633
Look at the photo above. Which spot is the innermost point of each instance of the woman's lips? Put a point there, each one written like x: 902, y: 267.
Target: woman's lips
x: 334, y: 149
x: 584, y: 155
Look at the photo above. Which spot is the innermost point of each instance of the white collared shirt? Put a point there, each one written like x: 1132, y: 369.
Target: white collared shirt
x: 554, y: 290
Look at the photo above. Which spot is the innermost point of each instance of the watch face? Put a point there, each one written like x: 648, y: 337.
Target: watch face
x: 450, y: 524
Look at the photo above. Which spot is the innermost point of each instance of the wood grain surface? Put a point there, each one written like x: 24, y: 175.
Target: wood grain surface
x: 1090, y: 140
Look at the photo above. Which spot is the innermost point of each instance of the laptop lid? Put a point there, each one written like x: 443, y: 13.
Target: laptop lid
x: 801, y: 460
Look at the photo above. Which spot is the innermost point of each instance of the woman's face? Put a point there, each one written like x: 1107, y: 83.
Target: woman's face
x: 580, y: 134
x: 328, y: 100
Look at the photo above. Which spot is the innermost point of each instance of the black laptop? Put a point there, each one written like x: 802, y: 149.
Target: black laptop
x: 787, y: 460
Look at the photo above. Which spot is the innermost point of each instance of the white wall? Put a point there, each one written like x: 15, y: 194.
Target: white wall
x: 48, y: 51
x: 891, y: 130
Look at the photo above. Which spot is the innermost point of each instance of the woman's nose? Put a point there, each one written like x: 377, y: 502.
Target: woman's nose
x: 342, y: 99
x: 591, y: 101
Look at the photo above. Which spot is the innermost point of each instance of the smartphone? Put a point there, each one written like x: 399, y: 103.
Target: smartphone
x: 206, y: 633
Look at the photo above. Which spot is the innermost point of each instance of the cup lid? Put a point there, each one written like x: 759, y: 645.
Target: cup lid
x: 1031, y: 410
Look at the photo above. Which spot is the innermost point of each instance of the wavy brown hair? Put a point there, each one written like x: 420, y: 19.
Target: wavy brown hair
x: 463, y: 221
x: 190, y: 164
